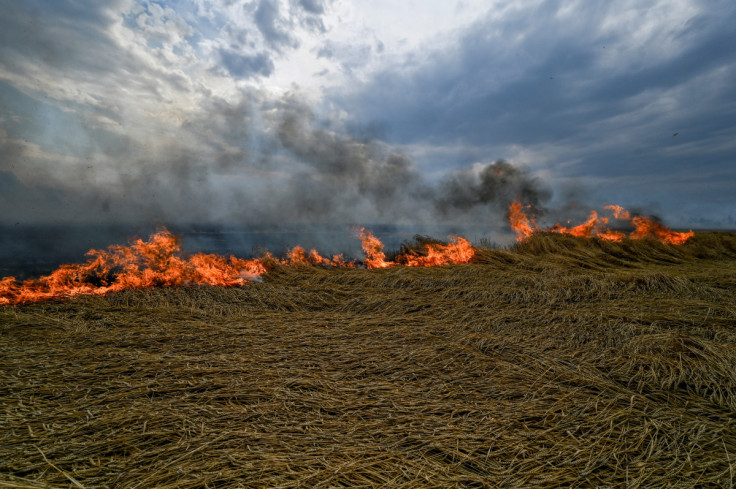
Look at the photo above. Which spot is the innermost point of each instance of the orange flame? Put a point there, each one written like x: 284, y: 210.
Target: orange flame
x: 644, y: 227
x: 585, y: 230
x: 522, y: 225
x: 373, y: 249
x: 158, y: 261
x: 458, y: 251
x: 339, y: 261
x: 142, y: 264
x: 609, y: 235
x: 299, y: 256
x: 618, y: 211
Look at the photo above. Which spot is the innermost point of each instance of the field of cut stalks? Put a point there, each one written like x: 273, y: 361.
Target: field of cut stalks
x: 563, y: 362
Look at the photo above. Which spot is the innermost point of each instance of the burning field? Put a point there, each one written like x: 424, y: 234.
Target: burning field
x: 159, y: 262
x: 579, y: 357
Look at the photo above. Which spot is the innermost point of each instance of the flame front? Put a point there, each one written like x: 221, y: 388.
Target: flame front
x: 586, y: 230
x: 299, y: 256
x: 646, y: 227
x: 618, y: 211
x: 156, y: 262
x: 159, y: 262
x: 595, y: 226
x: 458, y: 251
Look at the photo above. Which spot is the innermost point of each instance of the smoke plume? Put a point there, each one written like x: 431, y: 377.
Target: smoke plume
x: 268, y: 167
x: 365, y: 180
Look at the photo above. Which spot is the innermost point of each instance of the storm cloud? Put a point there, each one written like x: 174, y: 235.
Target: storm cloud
x: 307, y: 111
x: 633, y: 100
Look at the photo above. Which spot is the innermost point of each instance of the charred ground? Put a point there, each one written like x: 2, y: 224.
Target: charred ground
x: 563, y: 361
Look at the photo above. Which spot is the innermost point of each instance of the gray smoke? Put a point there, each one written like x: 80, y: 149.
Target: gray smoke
x: 243, y: 175
x: 493, y: 188
x: 251, y: 161
x: 345, y: 177
x: 375, y: 182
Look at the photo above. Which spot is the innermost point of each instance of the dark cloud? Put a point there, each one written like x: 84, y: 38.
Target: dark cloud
x: 273, y: 26
x: 310, y: 12
x: 246, y: 66
x: 327, y: 51
x: 32, y: 30
x: 547, y: 87
x: 349, y: 56
x: 316, y: 7
x: 592, y: 101
x: 708, y: 48
x: 540, y: 82
x: 68, y: 57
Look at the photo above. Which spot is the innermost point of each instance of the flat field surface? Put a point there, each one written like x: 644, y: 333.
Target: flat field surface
x: 560, y: 363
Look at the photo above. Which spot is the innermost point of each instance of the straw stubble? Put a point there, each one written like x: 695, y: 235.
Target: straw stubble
x: 557, y: 363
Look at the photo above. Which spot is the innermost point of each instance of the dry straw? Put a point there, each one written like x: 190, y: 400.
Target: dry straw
x: 560, y: 363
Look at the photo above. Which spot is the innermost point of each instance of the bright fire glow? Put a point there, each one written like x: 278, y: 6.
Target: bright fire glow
x: 159, y: 261
x: 595, y: 226
x: 459, y: 250
x: 299, y: 256
x: 373, y: 249
x: 156, y: 262
x: 522, y: 225
x: 646, y: 227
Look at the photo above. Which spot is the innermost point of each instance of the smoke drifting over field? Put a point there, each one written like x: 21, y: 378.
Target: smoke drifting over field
x: 343, y: 175
x: 256, y: 162
x: 254, y: 173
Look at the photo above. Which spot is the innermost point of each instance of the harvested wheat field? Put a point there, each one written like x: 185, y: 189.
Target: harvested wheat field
x: 563, y: 362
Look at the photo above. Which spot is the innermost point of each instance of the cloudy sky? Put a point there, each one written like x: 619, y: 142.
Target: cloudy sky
x: 360, y: 112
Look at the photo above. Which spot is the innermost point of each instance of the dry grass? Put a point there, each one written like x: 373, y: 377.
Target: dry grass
x: 557, y: 363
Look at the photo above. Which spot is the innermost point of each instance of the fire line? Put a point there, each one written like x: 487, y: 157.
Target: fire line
x: 159, y: 262
x: 595, y: 226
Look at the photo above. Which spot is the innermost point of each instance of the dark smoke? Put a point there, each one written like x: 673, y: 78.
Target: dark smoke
x: 248, y: 174
x: 252, y: 161
x: 341, y: 171
x: 494, y: 187
x: 345, y: 172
